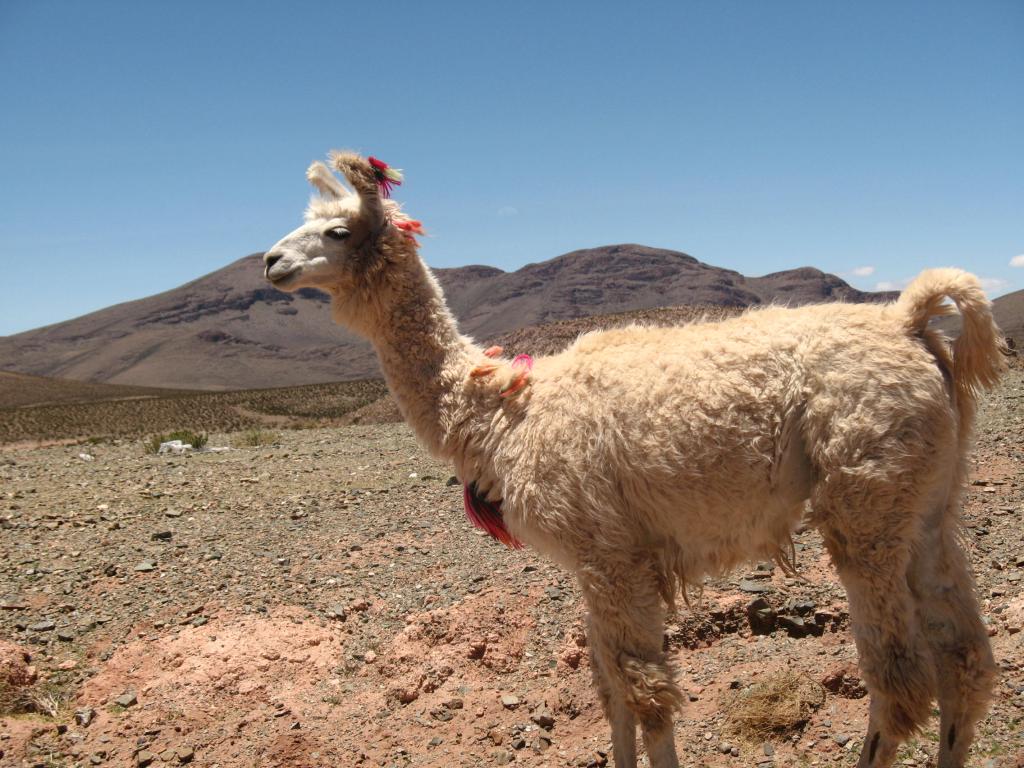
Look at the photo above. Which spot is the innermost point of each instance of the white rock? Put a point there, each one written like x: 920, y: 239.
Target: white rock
x: 175, y: 447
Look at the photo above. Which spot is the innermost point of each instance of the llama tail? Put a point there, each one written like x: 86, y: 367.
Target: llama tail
x: 978, y: 359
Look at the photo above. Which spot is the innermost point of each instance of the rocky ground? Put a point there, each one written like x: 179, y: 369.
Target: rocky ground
x: 323, y: 602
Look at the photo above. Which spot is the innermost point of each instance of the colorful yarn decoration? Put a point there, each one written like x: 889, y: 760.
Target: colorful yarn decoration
x: 486, y: 515
x: 386, y: 176
x: 409, y: 226
x: 524, y: 363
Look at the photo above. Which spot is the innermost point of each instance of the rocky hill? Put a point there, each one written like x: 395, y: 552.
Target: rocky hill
x: 231, y: 330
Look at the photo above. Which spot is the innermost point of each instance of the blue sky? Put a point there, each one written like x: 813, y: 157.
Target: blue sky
x: 145, y: 144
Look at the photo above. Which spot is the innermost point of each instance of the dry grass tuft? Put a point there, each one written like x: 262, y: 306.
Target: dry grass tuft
x: 780, y: 703
x: 255, y: 438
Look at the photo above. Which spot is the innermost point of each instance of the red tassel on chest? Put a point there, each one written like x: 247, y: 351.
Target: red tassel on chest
x: 486, y: 515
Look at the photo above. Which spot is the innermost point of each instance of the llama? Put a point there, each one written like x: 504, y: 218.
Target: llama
x: 642, y: 458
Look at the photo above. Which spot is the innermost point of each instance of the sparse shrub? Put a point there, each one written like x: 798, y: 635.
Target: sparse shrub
x: 780, y: 703
x: 256, y: 437
x: 196, y: 439
x: 50, y: 699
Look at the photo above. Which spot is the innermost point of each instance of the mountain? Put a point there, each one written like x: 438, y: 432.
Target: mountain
x: 231, y: 330
x: 1009, y: 313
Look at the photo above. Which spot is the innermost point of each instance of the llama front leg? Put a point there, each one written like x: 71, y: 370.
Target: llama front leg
x: 626, y: 627
x: 620, y: 717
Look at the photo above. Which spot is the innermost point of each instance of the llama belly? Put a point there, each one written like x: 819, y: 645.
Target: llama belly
x: 751, y: 518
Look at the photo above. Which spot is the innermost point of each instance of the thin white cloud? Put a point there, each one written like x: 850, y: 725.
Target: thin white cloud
x: 993, y: 284
x: 891, y: 285
x: 507, y: 211
x: 865, y: 271
x: 1017, y: 261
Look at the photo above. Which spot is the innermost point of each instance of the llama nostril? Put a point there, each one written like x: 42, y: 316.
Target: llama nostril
x: 270, y: 259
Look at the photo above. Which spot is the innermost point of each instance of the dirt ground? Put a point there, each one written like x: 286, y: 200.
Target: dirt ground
x: 323, y: 602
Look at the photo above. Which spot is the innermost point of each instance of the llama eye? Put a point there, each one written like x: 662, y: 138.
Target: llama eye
x: 337, y: 233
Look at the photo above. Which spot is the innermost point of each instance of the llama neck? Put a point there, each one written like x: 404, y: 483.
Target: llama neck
x: 424, y: 358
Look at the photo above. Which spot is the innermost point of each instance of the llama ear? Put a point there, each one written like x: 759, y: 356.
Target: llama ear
x: 320, y: 176
x: 359, y: 173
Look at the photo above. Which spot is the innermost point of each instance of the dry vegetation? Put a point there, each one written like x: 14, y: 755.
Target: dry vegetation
x: 781, y: 703
x: 287, y: 407
x: 34, y: 408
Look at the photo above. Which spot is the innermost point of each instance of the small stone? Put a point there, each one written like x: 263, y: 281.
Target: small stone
x: 85, y: 716
x: 746, y: 585
x: 65, y: 636
x: 42, y: 626
x: 761, y: 617
x: 477, y: 649
x: 145, y: 566
x: 543, y: 718
x: 841, y: 739
x: 162, y: 536
x: 793, y: 625
x: 504, y: 757
x: 768, y: 749
x: 126, y: 700
x: 145, y: 757
x: 518, y: 742
x: 508, y: 701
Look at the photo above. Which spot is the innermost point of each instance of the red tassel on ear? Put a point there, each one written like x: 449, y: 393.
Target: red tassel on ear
x: 410, y: 226
x: 386, y: 176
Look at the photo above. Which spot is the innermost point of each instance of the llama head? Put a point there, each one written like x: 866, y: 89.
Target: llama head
x: 344, y: 232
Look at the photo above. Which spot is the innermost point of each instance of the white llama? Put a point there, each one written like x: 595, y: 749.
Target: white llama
x: 640, y: 458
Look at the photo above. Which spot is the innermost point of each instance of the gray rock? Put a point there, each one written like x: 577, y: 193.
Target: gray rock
x: 793, y: 625
x: 753, y: 587
x: 543, y: 718
x: 508, y: 701
x: 42, y: 626
x: 146, y: 566
x: 85, y: 716
x: 841, y: 739
x: 761, y: 617
x: 126, y: 700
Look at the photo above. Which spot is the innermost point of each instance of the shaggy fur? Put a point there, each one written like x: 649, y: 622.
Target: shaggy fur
x: 642, y: 458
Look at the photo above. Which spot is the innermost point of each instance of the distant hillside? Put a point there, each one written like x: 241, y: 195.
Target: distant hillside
x: 21, y: 389
x: 231, y: 330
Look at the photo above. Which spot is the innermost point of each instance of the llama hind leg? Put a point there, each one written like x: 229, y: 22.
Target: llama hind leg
x: 964, y: 667
x: 626, y: 634
x: 894, y: 655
